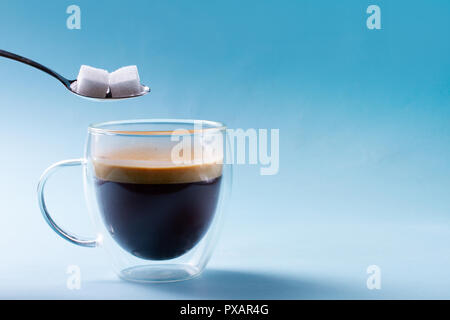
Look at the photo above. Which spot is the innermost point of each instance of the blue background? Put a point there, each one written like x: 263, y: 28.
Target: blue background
x: 364, y: 141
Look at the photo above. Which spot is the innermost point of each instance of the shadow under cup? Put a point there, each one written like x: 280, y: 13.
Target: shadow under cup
x: 155, y: 190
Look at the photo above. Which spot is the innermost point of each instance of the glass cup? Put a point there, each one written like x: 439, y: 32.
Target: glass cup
x: 156, y: 191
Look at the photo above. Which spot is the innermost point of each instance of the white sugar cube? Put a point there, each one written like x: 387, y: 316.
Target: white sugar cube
x: 92, y: 82
x: 125, y: 82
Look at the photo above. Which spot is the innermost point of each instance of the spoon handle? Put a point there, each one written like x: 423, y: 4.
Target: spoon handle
x: 34, y: 64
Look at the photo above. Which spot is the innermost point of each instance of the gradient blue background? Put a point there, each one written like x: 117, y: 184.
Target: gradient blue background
x: 364, y: 141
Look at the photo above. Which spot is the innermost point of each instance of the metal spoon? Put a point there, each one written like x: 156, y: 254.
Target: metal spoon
x: 69, y: 84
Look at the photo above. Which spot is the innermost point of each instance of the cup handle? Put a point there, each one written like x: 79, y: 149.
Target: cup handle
x: 41, y: 199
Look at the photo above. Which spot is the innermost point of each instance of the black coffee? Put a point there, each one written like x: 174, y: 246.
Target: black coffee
x: 157, y: 213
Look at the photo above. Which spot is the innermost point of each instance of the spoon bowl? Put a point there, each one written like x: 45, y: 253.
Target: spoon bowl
x: 73, y: 87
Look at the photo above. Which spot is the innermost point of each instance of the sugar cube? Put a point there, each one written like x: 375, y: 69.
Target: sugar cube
x: 92, y: 82
x: 125, y: 82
